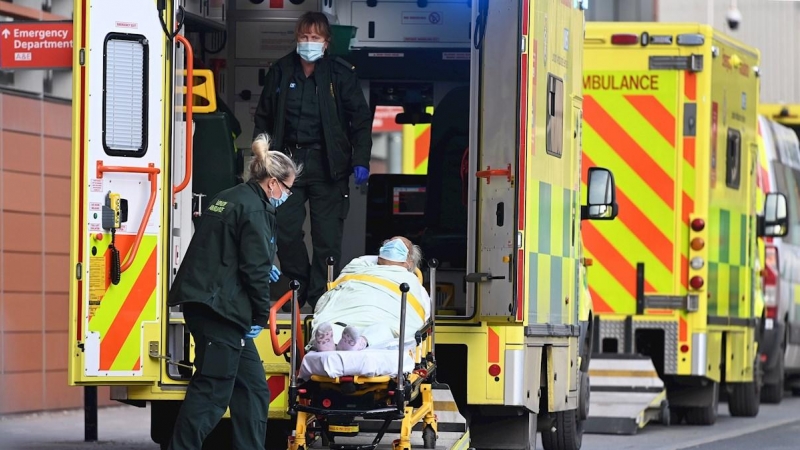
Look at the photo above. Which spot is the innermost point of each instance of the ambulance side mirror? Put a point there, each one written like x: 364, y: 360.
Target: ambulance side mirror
x: 602, y: 197
x: 775, y: 220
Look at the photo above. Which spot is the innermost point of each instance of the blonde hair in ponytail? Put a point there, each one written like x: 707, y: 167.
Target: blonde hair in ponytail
x: 270, y: 164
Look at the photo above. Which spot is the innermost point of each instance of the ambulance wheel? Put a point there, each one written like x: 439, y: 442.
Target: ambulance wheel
x: 568, y: 433
x: 773, y: 393
x: 585, y: 394
x: 745, y: 398
x: 428, y: 437
x: 676, y: 415
x: 704, y: 415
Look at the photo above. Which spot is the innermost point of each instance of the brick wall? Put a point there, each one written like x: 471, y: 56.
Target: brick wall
x: 34, y: 256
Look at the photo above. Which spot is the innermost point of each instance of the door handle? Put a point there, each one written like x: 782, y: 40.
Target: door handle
x: 489, y: 172
x: 482, y: 277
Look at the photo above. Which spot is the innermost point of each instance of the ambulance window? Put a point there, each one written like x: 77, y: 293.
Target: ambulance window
x: 733, y: 159
x: 555, y: 116
x: 125, y: 95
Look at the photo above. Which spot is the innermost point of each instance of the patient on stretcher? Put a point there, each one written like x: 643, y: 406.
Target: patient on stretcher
x: 362, y: 309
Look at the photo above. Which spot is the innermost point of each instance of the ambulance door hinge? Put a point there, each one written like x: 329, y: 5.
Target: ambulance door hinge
x: 524, y: 44
x: 154, y: 354
x: 82, y: 56
x: 690, y: 119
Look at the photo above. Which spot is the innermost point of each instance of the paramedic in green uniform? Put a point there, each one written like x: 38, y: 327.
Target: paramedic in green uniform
x: 313, y: 108
x: 223, y: 286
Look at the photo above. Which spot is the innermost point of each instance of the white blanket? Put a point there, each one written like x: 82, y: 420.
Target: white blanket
x: 367, y: 296
x: 367, y: 363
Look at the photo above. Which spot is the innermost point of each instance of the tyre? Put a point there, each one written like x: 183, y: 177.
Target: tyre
x: 568, y: 433
x: 745, y: 398
x: 773, y: 393
x: 585, y: 395
x: 704, y: 415
x: 428, y: 437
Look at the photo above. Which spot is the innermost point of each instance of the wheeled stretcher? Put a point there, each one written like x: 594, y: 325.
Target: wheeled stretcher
x: 330, y: 393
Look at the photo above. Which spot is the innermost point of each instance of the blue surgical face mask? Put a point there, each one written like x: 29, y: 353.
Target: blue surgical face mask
x: 310, y: 51
x: 279, y: 201
x: 394, y: 250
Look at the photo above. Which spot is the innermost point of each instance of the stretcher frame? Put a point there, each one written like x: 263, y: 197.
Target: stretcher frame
x: 314, y: 419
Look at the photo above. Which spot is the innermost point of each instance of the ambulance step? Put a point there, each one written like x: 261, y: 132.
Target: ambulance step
x: 626, y: 394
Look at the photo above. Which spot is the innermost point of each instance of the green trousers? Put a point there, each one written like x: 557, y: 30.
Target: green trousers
x: 228, y: 372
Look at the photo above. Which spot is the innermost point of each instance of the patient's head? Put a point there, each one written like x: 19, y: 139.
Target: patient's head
x: 399, y: 251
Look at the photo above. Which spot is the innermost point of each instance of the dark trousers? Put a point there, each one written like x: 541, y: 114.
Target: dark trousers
x: 329, y: 203
x: 228, y: 373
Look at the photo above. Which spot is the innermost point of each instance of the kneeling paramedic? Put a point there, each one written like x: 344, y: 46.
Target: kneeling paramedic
x: 223, y: 286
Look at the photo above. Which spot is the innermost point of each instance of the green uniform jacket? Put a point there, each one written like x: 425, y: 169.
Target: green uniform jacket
x: 229, y: 258
x: 346, y: 117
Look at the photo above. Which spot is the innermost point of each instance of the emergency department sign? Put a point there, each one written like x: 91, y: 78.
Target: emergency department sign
x: 36, y: 45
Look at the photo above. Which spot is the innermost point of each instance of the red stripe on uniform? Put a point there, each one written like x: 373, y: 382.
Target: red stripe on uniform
x: 627, y: 148
x: 656, y: 114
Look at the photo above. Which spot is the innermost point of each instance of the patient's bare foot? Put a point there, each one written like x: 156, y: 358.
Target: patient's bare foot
x: 323, y: 338
x: 351, y: 340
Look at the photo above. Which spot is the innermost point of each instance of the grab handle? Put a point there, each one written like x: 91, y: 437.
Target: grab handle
x: 400, y: 396
x: 273, y: 327
x: 489, y: 173
x: 187, y: 173
x: 151, y: 172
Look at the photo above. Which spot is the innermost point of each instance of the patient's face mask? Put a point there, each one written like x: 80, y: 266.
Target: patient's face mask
x: 394, y: 250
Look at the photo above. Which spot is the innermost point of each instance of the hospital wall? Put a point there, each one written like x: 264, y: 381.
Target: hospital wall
x: 35, y: 135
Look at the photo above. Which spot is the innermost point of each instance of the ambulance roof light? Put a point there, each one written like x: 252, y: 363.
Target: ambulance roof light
x: 624, y: 39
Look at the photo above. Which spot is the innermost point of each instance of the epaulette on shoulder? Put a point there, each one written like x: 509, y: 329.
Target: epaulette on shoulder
x: 344, y: 63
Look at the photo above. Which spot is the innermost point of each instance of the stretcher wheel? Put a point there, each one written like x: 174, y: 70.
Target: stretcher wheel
x: 428, y: 437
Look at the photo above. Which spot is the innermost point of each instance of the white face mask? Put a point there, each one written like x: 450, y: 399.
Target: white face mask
x: 310, y: 51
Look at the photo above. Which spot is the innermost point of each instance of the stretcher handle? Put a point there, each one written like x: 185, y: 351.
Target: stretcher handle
x: 489, y: 173
x: 187, y: 173
x: 151, y: 172
x: 404, y: 288
x: 294, y: 285
x: 433, y: 264
x: 273, y: 327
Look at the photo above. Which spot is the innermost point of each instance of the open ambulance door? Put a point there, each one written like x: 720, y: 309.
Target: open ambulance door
x: 500, y: 86
x: 121, y: 192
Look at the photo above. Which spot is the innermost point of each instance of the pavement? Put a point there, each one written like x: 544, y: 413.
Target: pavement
x: 777, y: 427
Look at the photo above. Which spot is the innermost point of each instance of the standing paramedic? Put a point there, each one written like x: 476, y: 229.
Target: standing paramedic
x: 223, y: 286
x: 313, y: 108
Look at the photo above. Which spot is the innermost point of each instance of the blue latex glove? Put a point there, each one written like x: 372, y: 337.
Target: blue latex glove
x: 362, y: 173
x: 255, y: 330
x: 274, y: 274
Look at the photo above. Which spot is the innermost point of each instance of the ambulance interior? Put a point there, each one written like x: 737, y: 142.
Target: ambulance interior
x: 407, y: 54
x: 410, y: 54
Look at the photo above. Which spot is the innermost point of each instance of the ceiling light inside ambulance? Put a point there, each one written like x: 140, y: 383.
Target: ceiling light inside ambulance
x: 697, y: 263
x: 624, y: 39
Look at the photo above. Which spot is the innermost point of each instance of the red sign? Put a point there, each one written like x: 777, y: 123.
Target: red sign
x: 36, y: 45
x: 384, y: 120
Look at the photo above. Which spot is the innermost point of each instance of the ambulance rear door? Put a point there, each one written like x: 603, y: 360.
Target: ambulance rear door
x: 495, y: 106
x: 120, y: 192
